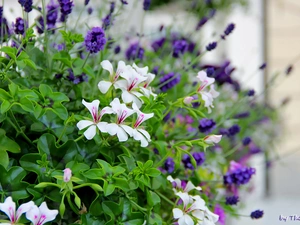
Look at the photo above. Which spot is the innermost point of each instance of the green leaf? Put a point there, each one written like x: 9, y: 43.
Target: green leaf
x: 10, y: 51
x: 108, y: 188
x: 5, y: 106
x: 6, y: 144
x: 13, y: 88
x: 4, y: 95
x: 30, y: 63
x: 95, y: 174
x: 4, y: 160
x: 152, y: 198
x: 153, y: 172
x: 29, y: 162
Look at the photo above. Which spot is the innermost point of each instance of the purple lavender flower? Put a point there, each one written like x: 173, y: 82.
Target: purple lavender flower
x: 170, y: 81
x: 90, y: 10
x: 210, y: 71
x: 117, y: 49
x: 106, y: 22
x: 157, y: 44
x: 233, y: 130
x: 112, y: 7
x: 40, y: 25
x: 221, y: 213
x: 86, y: 2
x: 246, y: 141
x: 242, y: 115
x: 179, y: 47
x: 257, y: 214
x: 146, y: 4
x: 19, y: 26
x: 186, y: 160
x: 134, y: 51
x: 201, y: 23
x: 289, y: 69
x: 238, y: 175
x: 22, y: 2
x: 28, y: 6
x: 229, y: 29
x: 58, y: 75
x: 206, y: 125
x: 124, y: 2
x: 169, y: 165
x: 232, y: 200
x: 65, y: 8
x: 263, y: 66
x: 251, y: 93
x: 254, y: 150
x: 155, y: 70
x: 199, y: 157
x: 52, y: 15
x: 95, y: 40
x: 211, y: 46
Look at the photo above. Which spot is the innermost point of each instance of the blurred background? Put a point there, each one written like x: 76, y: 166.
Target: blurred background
x: 267, y: 31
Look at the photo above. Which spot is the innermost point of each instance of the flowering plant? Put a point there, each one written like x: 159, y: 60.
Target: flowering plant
x: 144, y: 138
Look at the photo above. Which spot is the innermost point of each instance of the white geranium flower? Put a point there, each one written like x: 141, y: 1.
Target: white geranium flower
x: 41, y: 215
x: 138, y: 133
x: 210, y: 139
x: 207, y: 96
x: 93, y: 107
x: 191, y: 206
x: 130, y: 86
x: 9, y: 208
x: 118, y: 128
x: 113, y: 76
x: 177, y: 183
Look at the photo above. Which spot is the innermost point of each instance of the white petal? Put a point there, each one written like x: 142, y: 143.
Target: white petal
x: 188, y: 220
x: 128, y: 129
x: 142, y: 71
x: 107, y: 110
x: 23, y: 209
x: 121, y: 84
x: 112, y: 128
x: 189, y: 186
x: 33, y: 215
x: 177, y: 213
x: 93, y: 106
x: 49, y: 214
x: 139, y: 137
x: 107, y: 66
x: 102, y: 126
x: 104, y: 86
x: 198, y: 214
x: 84, y: 123
x: 145, y: 133
x: 90, y: 132
x: 184, y: 197
x: 177, y: 181
x: 198, y: 204
x: 122, y: 135
x: 127, y: 97
x: 213, y: 92
x: 9, y: 208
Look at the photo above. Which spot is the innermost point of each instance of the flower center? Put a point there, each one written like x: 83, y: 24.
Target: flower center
x: 12, y: 214
x: 122, y: 116
x: 42, y: 219
x: 133, y: 83
x: 139, y: 120
x: 96, y: 116
x: 203, y: 85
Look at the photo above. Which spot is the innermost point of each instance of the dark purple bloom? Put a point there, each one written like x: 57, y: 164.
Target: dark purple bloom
x: 186, y: 160
x: 28, y: 6
x: 52, y: 15
x: 58, y: 75
x: 251, y: 93
x: 232, y: 200
x: 229, y: 29
x: 107, y: 21
x: 40, y: 25
x: 211, y: 46
x: 71, y: 76
x: 235, y: 129
x: 156, y: 45
x: 257, y: 214
x: 246, y: 141
x: 169, y: 165
x: 201, y: 23
x: 199, y: 157
x: 134, y: 51
x: 179, y: 48
x: 206, y: 125
x: 171, y: 79
x: 223, y: 131
x: 146, y: 4
x: 238, y: 176
x: 289, y: 70
x: 83, y: 77
x: 124, y: 2
x: 19, y: 26
x: 90, y: 10
x: 65, y: 8
x: 22, y: 2
x: 95, y: 40
x: 167, y: 117
x: 112, y: 7
x: 191, y: 47
x: 254, y: 150
x: 210, y: 71
x: 117, y: 49
x: 242, y: 115
x: 86, y: 2
x: 263, y: 66
x: 155, y: 70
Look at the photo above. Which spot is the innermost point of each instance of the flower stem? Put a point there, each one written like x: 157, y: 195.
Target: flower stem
x: 79, y: 138
x: 165, y: 198
x: 86, y: 60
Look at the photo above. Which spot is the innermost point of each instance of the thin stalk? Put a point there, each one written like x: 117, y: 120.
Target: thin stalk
x: 164, y: 197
